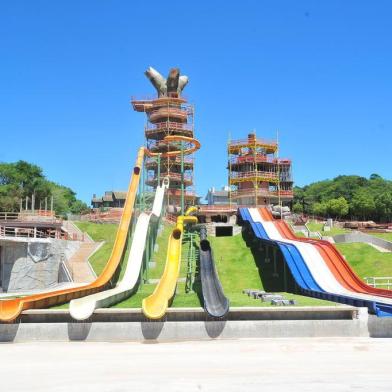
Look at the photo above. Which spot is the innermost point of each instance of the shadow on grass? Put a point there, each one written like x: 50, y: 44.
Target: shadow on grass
x: 274, y: 276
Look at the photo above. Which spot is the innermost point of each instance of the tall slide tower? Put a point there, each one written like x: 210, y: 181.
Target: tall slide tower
x: 257, y: 176
x: 169, y: 114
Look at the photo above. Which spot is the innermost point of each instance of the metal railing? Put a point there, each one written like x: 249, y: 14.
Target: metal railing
x: 382, y: 281
x: 253, y: 175
x: 34, y: 232
x: 258, y: 159
x: 28, y: 215
x: 252, y: 143
x: 261, y: 193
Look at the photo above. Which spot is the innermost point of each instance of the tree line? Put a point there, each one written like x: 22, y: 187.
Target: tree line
x: 349, y: 197
x: 21, y: 179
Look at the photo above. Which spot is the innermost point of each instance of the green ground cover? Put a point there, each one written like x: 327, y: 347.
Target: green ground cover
x: 315, y: 226
x: 366, y: 260
x: 100, y: 232
x: 236, y: 265
x: 384, y: 236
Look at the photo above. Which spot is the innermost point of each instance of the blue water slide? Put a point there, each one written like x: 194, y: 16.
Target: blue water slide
x: 303, y: 276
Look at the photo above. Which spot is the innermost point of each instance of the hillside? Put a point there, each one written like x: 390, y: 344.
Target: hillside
x: 351, y: 197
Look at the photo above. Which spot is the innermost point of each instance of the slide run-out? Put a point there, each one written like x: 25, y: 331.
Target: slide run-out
x: 83, y: 308
x: 154, y: 306
x: 10, y: 309
x: 216, y: 303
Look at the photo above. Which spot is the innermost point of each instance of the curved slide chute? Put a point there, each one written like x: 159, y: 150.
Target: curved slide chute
x: 10, y: 309
x: 154, y: 307
x: 83, y: 308
x: 308, y: 260
x: 216, y: 303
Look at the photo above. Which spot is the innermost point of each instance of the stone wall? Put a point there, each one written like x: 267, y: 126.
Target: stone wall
x: 33, y: 264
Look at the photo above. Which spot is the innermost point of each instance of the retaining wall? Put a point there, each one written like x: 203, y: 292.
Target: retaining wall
x: 357, y: 236
x: 192, y: 324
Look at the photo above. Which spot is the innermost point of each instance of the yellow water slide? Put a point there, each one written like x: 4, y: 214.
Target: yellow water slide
x: 154, y: 306
x: 11, y: 308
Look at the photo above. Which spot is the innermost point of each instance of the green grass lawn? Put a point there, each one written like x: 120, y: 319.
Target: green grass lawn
x: 235, y: 264
x: 384, y: 236
x: 366, y: 260
x: 314, y: 226
x: 100, y: 232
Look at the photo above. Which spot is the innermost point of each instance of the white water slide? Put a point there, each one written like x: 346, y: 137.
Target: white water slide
x: 83, y: 308
x: 316, y: 264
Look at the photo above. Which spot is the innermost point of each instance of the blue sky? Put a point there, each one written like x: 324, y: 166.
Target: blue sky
x: 318, y: 71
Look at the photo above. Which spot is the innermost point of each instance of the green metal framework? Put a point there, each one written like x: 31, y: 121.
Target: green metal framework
x: 190, y: 256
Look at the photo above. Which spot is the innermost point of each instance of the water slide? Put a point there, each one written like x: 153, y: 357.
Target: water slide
x: 83, y: 308
x: 215, y: 302
x: 11, y: 308
x: 154, y: 307
x: 309, y: 268
x: 334, y: 260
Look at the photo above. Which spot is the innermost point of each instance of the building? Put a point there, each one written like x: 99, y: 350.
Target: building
x: 168, y: 114
x: 256, y: 175
x: 215, y: 197
x: 111, y: 199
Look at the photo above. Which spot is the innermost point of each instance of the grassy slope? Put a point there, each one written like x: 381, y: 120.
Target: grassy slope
x: 236, y: 268
x: 366, y: 260
x: 235, y: 264
x: 314, y: 226
x: 100, y: 232
x: 384, y: 236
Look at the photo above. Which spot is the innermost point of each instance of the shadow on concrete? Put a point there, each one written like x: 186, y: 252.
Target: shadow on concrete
x: 8, y: 332
x: 152, y: 329
x: 78, y: 331
x: 214, y: 328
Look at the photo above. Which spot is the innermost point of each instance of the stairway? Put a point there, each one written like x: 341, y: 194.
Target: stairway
x: 78, y: 265
x: 75, y: 233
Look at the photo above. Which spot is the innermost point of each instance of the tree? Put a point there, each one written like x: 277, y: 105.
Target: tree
x: 359, y: 192
x: 319, y: 209
x: 297, y: 208
x: 337, y: 207
x: 363, y: 204
x: 383, y: 203
x: 22, y: 179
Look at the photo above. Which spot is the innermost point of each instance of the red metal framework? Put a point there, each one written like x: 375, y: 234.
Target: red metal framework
x: 169, y: 116
x: 256, y: 175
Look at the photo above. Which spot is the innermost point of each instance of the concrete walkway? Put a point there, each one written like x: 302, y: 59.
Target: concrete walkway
x: 78, y: 265
x: 300, y: 364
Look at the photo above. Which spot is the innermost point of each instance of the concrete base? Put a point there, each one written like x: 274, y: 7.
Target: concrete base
x: 194, y: 324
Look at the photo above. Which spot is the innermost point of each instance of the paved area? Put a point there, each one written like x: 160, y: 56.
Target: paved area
x: 301, y: 364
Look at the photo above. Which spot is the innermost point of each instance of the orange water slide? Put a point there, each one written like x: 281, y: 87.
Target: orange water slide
x: 11, y: 309
x: 334, y: 260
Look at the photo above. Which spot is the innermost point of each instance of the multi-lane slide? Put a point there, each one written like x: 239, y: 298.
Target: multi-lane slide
x: 216, y: 303
x: 11, y: 308
x: 332, y: 257
x: 154, y: 306
x: 310, y: 259
x: 83, y: 308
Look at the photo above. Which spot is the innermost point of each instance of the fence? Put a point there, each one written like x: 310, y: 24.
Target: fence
x: 383, y: 281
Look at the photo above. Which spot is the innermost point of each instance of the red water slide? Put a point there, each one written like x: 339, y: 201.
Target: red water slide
x: 334, y: 260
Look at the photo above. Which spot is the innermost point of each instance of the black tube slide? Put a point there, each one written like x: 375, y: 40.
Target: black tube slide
x: 215, y: 302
